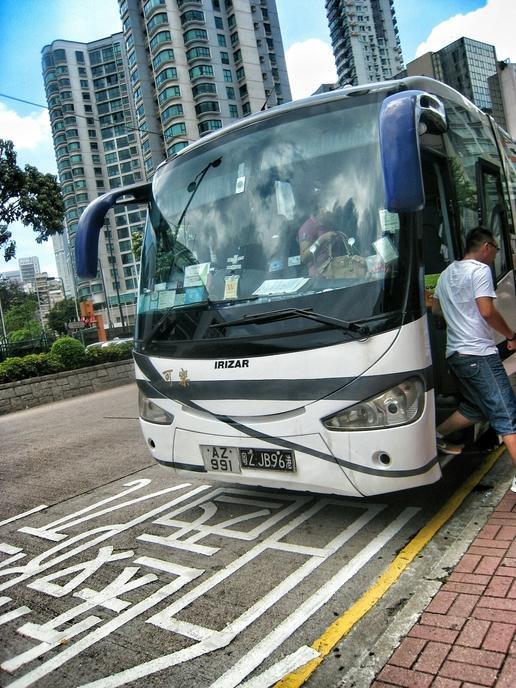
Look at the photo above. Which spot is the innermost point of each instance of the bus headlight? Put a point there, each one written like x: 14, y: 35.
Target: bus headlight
x: 152, y: 413
x: 399, y: 405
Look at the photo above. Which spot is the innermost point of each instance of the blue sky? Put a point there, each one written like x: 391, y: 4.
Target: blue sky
x: 28, y: 25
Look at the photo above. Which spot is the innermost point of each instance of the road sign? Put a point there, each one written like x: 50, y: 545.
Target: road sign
x: 76, y: 325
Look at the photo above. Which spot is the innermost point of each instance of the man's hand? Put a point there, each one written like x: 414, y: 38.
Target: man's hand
x: 494, y: 318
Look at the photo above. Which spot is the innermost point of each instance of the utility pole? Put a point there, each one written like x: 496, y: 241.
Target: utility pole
x: 115, y: 270
x: 110, y: 322
x: 3, y: 321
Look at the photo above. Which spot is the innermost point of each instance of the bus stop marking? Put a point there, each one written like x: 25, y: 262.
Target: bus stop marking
x: 340, y: 628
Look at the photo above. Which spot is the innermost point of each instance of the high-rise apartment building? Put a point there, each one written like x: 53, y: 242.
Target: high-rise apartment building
x: 64, y: 263
x: 468, y: 66
x: 29, y: 268
x: 97, y: 148
x: 120, y: 105
x: 365, y: 40
x: 196, y: 65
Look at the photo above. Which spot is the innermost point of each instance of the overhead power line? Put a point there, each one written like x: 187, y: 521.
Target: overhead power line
x: 96, y: 119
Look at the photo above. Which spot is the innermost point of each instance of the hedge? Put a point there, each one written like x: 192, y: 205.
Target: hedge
x: 66, y: 353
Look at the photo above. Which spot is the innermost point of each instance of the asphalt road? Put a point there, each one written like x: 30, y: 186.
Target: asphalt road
x: 122, y: 573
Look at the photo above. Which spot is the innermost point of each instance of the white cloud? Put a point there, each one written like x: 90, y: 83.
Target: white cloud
x: 309, y: 65
x: 492, y: 24
x: 26, y: 132
x: 31, y: 136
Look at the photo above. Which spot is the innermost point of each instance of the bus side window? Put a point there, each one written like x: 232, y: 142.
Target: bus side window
x: 493, y: 212
x: 437, y: 242
x: 433, y: 247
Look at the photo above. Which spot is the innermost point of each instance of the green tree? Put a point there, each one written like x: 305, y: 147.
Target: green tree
x: 22, y: 315
x: 27, y: 196
x: 11, y: 294
x: 61, y: 314
x: 31, y: 330
x: 137, y: 243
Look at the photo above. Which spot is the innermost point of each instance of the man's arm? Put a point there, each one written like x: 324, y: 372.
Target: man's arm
x: 436, y: 307
x: 496, y: 320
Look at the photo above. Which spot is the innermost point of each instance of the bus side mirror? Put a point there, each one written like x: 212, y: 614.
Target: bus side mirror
x: 92, y: 220
x: 403, y: 118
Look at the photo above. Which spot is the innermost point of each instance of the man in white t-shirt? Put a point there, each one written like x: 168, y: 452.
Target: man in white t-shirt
x: 465, y: 295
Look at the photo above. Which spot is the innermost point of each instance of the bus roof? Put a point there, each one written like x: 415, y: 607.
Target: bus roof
x: 414, y: 82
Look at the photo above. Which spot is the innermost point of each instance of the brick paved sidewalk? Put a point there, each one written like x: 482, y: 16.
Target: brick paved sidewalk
x: 465, y: 638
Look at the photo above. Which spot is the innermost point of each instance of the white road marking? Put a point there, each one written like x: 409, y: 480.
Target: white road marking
x: 220, y: 639
x: 282, y: 668
x: 14, y: 614
x: 257, y: 516
x: 49, y: 532
x: 25, y: 513
x: 15, y: 552
x: 284, y: 630
x: 38, y: 564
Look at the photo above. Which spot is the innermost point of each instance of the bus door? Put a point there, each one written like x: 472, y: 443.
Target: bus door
x: 438, y: 251
x: 493, y: 215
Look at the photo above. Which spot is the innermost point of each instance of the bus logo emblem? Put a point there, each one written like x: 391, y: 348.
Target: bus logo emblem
x: 183, y: 378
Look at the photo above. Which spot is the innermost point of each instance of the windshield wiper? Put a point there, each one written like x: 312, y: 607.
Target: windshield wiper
x: 169, y: 316
x: 192, y: 190
x: 288, y: 313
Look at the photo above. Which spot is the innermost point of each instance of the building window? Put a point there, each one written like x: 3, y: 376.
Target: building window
x: 169, y: 92
x: 200, y: 89
x: 224, y: 58
x: 221, y: 40
x: 195, y: 35
x: 160, y: 37
x: 207, y: 106
x: 230, y: 92
x: 157, y: 19
x: 227, y: 75
x: 201, y: 70
x: 171, y: 111
x: 178, y: 129
x: 166, y: 75
x: 166, y: 55
x: 233, y: 111
x: 192, y: 15
x: 209, y: 125
x: 219, y: 24
x: 197, y: 52
x: 149, y: 6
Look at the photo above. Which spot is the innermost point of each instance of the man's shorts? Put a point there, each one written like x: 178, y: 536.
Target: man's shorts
x: 486, y: 390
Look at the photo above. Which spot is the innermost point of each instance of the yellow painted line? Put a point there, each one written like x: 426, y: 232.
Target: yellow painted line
x: 343, y: 625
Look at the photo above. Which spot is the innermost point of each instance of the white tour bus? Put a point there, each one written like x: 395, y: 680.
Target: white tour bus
x: 283, y: 335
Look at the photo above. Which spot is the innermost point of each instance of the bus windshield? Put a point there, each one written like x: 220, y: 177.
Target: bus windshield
x: 284, y: 210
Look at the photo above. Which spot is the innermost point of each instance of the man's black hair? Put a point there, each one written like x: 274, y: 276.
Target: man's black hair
x: 478, y: 236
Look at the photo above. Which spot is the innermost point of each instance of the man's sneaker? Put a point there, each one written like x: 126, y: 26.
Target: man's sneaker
x: 444, y: 447
x: 513, y: 486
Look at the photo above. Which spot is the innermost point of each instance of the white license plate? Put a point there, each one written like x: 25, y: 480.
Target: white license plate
x: 221, y: 459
